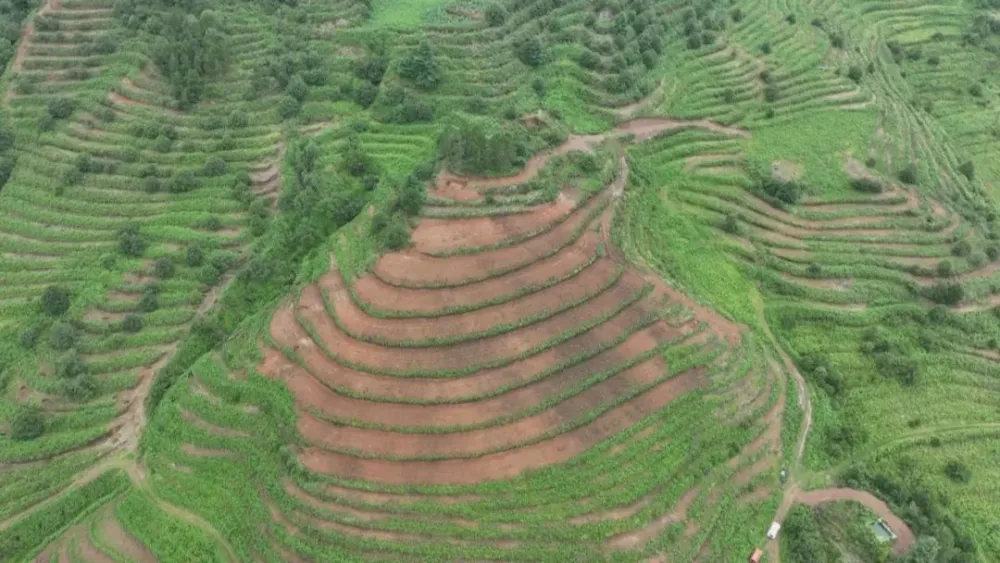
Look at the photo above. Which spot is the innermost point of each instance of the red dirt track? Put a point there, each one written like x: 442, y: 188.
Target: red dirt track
x: 383, y: 396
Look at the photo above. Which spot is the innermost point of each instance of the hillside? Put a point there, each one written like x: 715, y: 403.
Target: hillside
x: 524, y: 280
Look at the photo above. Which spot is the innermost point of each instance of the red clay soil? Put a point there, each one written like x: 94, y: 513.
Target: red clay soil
x: 473, y: 442
x: 464, y: 354
x: 508, y: 464
x: 385, y: 297
x: 638, y: 538
x: 411, y: 268
x: 757, y: 495
x: 446, y: 235
x: 310, y: 392
x: 587, y: 284
x: 463, y: 388
x: 905, y: 537
x: 123, y: 542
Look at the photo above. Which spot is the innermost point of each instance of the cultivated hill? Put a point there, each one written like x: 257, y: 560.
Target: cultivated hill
x: 523, y: 280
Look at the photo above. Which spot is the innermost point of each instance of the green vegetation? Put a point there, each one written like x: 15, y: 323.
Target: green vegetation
x: 331, y: 280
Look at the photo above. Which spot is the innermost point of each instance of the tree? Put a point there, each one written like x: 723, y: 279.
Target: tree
x: 189, y: 50
x: 214, y: 166
x: 60, y: 108
x: 27, y: 423
x: 372, y: 69
x: 924, y: 551
x: 297, y: 88
x: 184, y: 181
x: 421, y: 67
x: 958, y: 472
x: 70, y: 365
x: 288, y: 107
x: 908, y: 175
x: 131, y: 242
x: 495, y: 15
x: 62, y: 336
x: 55, y: 300
x: 164, y: 268
x: 411, y: 197
x: 588, y: 59
x: 132, y: 323
x: 946, y: 293
x: 855, y: 73
x: 531, y: 52
x: 194, y: 256
x: 968, y: 169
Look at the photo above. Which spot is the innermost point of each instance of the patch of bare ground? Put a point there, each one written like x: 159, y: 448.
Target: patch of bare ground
x: 122, y: 541
x: 99, y: 316
x: 586, y: 285
x: 467, y: 353
x: 310, y: 391
x: 411, y: 301
x: 446, y: 235
x: 507, y: 464
x: 638, y: 538
x: 412, y: 268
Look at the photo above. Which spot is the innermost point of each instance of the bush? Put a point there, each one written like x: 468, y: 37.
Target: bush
x: 539, y: 86
x: 908, y: 175
x: 855, y: 73
x: 944, y: 268
x: 214, y: 166
x: 28, y: 337
x: 365, y: 94
x: 297, y: 88
x: 70, y: 365
x: 288, y: 107
x: 814, y: 269
x: 867, y: 185
x: 766, y: 48
x: 60, y: 108
x: 531, y: 52
x: 790, y: 18
x: 421, y: 67
x: 55, y: 300
x: 184, y: 181
x: 149, y: 302
x: 164, y: 268
x: 238, y: 119
x: 737, y: 15
x: 132, y: 323
x: 396, y: 235
x: 411, y: 196
x: 961, y: 248
x: 771, y: 93
x: 730, y: 224
x: 976, y: 90
x: 495, y: 15
x: 62, y: 336
x: 27, y: 423
x: 194, y: 256
x: 992, y: 253
x: 871, y: 162
x: 968, y: 169
x: 945, y: 293
x: 958, y: 472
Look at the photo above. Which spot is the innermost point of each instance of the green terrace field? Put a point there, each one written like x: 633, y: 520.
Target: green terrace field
x: 523, y: 280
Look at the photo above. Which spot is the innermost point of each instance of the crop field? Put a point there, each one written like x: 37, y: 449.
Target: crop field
x: 524, y: 280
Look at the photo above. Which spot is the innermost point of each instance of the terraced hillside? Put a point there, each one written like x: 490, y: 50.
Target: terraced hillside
x: 532, y: 280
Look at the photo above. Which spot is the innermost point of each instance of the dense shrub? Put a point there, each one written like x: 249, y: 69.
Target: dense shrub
x: 855, y: 73
x: 908, y: 175
x: 411, y: 196
x: 421, y: 67
x: 214, y: 166
x: 945, y: 293
x: 163, y: 268
x: 288, y: 107
x: 62, y: 336
x: 495, y: 15
x: 70, y: 365
x: 28, y: 337
x: 968, y: 169
x: 55, y: 300
x: 184, y: 181
x: 297, y: 88
x: 27, y: 423
x: 469, y: 149
x: 867, y: 185
x: 60, y: 108
x: 958, y: 472
x: 961, y: 248
x: 531, y: 52
x: 804, y: 538
x: 194, y: 256
x: 132, y: 323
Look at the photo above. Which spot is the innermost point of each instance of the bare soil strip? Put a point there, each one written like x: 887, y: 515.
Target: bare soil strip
x: 508, y: 464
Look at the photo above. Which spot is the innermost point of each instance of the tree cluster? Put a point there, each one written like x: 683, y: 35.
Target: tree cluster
x: 469, y: 149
